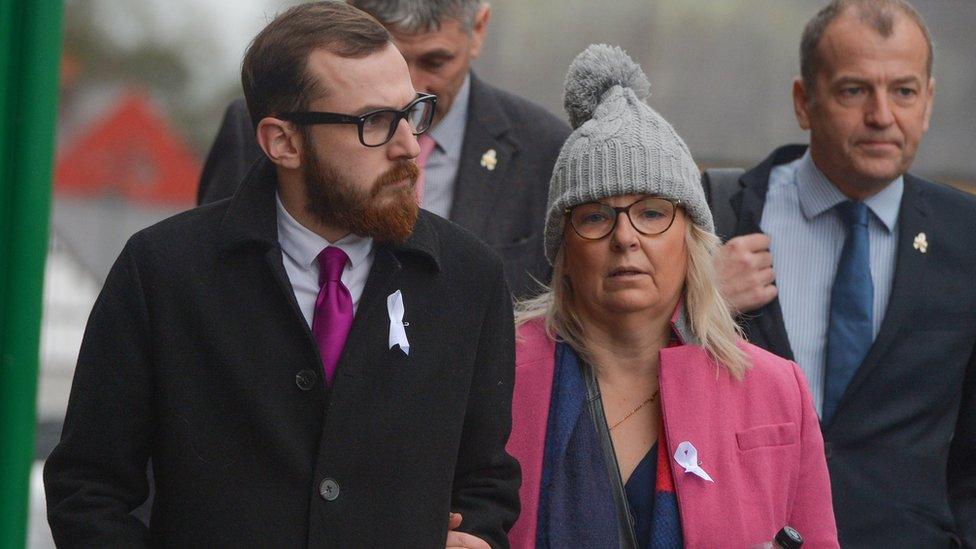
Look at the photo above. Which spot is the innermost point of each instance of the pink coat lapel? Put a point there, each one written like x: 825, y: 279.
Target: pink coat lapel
x: 534, y: 366
x: 759, y: 441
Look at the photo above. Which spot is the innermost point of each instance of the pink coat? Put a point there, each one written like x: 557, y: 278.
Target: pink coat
x: 758, y: 439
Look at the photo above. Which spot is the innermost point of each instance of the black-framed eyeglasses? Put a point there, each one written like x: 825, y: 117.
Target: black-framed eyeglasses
x: 376, y: 127
x: 649, y: 216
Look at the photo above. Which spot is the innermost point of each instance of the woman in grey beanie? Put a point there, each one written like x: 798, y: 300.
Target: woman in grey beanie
x: 640, y: 416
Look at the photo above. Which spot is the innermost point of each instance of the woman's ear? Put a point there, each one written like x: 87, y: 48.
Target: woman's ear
x: 280, y: 142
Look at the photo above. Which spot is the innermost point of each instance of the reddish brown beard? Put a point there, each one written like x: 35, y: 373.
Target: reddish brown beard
x: 338, y: 203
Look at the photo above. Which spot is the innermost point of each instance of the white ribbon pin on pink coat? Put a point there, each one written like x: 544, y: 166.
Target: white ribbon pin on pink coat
x: 687, y: 457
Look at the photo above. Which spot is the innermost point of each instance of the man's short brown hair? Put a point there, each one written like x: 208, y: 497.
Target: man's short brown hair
x: 275, y: 73
x: 879, y: 14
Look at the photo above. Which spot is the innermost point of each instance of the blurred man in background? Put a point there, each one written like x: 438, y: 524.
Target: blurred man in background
x: 874, y: 268
x: 487, y: 160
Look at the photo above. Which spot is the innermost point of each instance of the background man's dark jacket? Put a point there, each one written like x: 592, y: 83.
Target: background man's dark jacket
x: 197, y: 356
x: 901, y: 448
x: 505, y: 207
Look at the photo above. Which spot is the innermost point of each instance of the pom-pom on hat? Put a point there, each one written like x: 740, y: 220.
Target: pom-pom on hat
x: 619, y: 144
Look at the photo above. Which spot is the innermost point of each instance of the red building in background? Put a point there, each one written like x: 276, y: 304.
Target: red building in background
x: 127, y: 152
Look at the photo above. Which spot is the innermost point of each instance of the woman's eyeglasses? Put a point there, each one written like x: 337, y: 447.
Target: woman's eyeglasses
x: 649, y: 216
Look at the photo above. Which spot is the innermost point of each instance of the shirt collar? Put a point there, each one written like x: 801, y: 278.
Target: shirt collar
x: 303, y: 246
x: 817, y: 194
x: 449, y: 132
x: 886, y: 203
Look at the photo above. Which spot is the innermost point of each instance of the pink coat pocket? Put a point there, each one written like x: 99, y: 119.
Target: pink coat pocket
x: 779, y: 434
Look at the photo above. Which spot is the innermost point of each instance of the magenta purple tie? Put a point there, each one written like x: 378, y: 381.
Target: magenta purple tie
x: 333, y: 310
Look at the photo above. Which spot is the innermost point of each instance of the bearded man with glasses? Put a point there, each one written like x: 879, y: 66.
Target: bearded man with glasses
x: 487, y: 157
x: 313, y: 363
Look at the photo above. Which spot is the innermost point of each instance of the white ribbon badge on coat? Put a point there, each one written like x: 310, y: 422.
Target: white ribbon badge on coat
x: 687, y: 456
x: 398, y: 335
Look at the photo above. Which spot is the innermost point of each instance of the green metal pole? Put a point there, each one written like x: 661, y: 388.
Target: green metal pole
x: 30, y: 52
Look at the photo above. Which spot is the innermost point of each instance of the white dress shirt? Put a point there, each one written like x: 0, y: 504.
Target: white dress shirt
x: 300, y: 247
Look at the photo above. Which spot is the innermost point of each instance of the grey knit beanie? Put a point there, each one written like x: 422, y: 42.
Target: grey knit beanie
x: 619, y: 145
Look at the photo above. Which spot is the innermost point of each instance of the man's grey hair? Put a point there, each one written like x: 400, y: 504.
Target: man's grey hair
x: 414, y: 16
x: 879, y: 14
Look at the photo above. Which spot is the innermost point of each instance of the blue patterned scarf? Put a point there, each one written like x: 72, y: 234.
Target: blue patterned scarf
x: 576, y: 507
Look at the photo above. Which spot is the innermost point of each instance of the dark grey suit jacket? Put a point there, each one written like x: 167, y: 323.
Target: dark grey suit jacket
x: 901, y: 448
x: 505, y: 207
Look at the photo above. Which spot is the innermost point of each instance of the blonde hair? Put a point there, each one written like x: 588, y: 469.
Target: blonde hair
x: 709, y: 315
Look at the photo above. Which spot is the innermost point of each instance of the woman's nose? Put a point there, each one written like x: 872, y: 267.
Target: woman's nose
x: 624, y: 235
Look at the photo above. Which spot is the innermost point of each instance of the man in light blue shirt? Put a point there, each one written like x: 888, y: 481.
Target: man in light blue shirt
x: 863, y: 273
x: 807, y: 238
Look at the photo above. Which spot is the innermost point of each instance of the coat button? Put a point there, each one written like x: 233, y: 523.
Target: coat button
x: 329, y: 489
x: 305, y: 380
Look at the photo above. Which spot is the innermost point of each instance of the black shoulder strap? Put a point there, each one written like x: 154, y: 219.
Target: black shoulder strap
x: 625, y: 522
x: 720, y: 184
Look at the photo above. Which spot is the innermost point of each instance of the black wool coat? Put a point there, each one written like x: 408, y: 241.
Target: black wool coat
x: 197, y: 358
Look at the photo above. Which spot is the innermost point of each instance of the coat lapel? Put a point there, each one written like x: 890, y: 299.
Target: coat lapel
x: 251, y: 222
x: 910, y: 267
x: 477, y: 186
x: 371, y: 326
x: 371, y: 323
x: 698, y: 405
x: 764, y: 327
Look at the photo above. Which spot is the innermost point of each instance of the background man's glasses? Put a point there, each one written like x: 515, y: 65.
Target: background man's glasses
x: 649, y: 216
x: 377, y: 127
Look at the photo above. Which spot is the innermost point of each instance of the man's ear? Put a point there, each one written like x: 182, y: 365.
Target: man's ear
x: 280, y: 142
x: 801, y: 103
x: 928, y: 105
x: 479, y: 29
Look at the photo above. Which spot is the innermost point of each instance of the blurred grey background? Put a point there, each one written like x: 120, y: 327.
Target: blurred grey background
x: 721, y: 71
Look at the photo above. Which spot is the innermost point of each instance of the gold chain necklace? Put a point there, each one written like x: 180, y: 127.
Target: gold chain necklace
x: 635, y: 410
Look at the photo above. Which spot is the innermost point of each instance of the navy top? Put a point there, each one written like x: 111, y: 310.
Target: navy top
x: 640, y: 496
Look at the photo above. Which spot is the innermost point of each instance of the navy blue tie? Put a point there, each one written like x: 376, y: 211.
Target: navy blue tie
x: 850, y: 332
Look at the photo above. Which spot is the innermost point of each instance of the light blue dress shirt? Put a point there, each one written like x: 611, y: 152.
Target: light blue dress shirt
x: 806, y: 238
x: 440, y: 172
